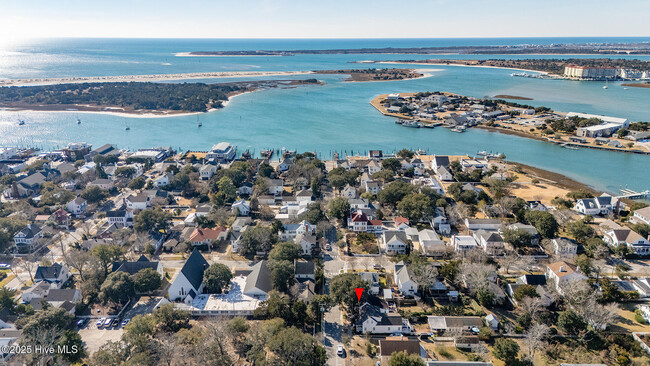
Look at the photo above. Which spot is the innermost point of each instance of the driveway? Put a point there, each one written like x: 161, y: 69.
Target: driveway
x: 332, y: 337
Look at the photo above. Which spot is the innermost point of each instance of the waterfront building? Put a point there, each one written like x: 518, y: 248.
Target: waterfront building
x: 587, y: 72
x: 221, y: 152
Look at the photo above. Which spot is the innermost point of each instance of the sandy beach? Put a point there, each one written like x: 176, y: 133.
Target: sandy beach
x: 150, y: 78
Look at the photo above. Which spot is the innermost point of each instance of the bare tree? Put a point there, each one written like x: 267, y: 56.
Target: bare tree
x: 165, y: 349
x: 475, y: 275
x: 536, y: 339
x: 597, y: 315
x: 29, y: 264
x: 425, y: 274
x: 79, y: 260
x: 577, y: 292
x: 531, y: 305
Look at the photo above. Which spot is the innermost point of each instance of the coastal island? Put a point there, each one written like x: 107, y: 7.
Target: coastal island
x: 633, y: 48
x: 133, y: 97
x: 375, y: 74
x: 566, y: 68
x: 570, y: 130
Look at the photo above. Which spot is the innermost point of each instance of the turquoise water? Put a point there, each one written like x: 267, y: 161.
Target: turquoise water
x: 332, y: 117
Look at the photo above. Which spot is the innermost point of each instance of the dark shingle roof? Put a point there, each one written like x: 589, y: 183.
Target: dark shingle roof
x: 194, y: 268
x: 48, y: 272
x: 135, y: 267
x: 304, y: 268
x: 388, y: 346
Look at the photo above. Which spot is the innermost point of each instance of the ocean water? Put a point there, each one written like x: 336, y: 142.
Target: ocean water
x: 334, y: 117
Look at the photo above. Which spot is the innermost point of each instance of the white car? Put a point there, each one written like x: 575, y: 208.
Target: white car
x: 339, y: 350
x: 100, y: 322
x: 107, y: 322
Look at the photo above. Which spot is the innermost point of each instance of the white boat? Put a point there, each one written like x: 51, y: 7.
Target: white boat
x: 78, y: 121
x: 605, y: 86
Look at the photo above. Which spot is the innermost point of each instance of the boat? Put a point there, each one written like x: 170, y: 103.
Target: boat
x: 198, y: 123
x: 567, y: 146
x: 428, y: 125
x: 400, y: 121
x: 411, y: 124
x: 605, y: 86
x: 246, y: 154
x: 459, y: 129
x: 21, y: 122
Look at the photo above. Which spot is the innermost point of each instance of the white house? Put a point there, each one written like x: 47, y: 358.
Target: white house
x: 104, y: 184
x: 372, y: 186
x: 189, y: 281
x: 27, y: 236
x: 207, y: 171
x: 276, y: 186
x: 140, y: 201
x: 373, y: 280
x: 291, y: 231
x: 77, y: 206
x: 394, y: 242
x: 307, y: 242
x: 641, y: 216
x: 120, y: 217
x: 491, y: 242
x: 407, y: 286
x: 455, y: 324
x: 221, y: 152
x: 56, y: 274
x: 483, y: 224
x: 430, y: 243
x: 463, y: 243
x: 163, y: 180
x: 561, y: 273
x: 374, y: 320
x: 358, y: 222
x: 564, y: 247
x: 241, y: 208
x: 638, y: 244
x: 601, y: 205
x: 349, y: 192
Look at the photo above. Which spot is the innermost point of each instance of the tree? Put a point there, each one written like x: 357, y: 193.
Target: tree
x: 544, y: 222
x: 580, y: 231
x: 339, y: 208
x: 79, y: 260
x: 425, y: 274
x: 138, y: 332
x: 518, y: 238
x: 169, y: 319
x: 93, y: 194
x: 226, y: 192
x: 506, y: 350
x: 536, y: 339
x: 394, y: 192
x: 342, y: 289
x: 107, y: 254
x: 525, y: 291
x: 258, y: 238
x: 571, y: 323
x: 137, y: 183
x: 44, y: 329
x: 147, y: 280
x: 584, y: 263
x: 152, y: 220
x: 72, y: 342
x: 498, y: 187
x: 216, y: 278
x: 405, y: 154
x: 117, y: 288
x: 405, y: 359
x: 282, y: 274
x: 391, y: 164
x: 292, y: 347
x: 416, y: 206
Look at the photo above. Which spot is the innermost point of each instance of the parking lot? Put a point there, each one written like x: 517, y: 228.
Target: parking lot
x: 96, y: 337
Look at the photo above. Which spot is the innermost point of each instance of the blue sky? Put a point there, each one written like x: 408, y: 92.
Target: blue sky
x: 322, y: 19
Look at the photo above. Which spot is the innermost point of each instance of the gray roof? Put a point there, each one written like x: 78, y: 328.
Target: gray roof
x: 259, y: 278
x: 304, y: 267
x: 33, y: 180
x: 64, y: 294
x: 134, y: 267
x: 392, y: 235
x: 30, y: 231
x: 194, y: 268
x: 403, y: 274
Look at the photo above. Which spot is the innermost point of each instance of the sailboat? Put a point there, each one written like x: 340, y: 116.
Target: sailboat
x: 198, y: 123
x: 126, y: 128
x: 605, y: 86
x: 78, y: 121
x: 20, y: 121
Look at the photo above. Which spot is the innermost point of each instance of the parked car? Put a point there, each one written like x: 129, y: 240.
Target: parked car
x: 115, y: 322
x: 5, y: 266
x: 107, y: 322
x: 125, y: 322
x: 81, y: 323
x: 377, y: 267
x: 339, y: 350
x: 100, y: 323
x: 328, y: 247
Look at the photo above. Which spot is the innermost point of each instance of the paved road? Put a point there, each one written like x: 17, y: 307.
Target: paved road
x: 333, y: 332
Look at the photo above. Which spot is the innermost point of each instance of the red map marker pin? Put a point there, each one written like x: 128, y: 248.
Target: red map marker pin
x: 359, y: 292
